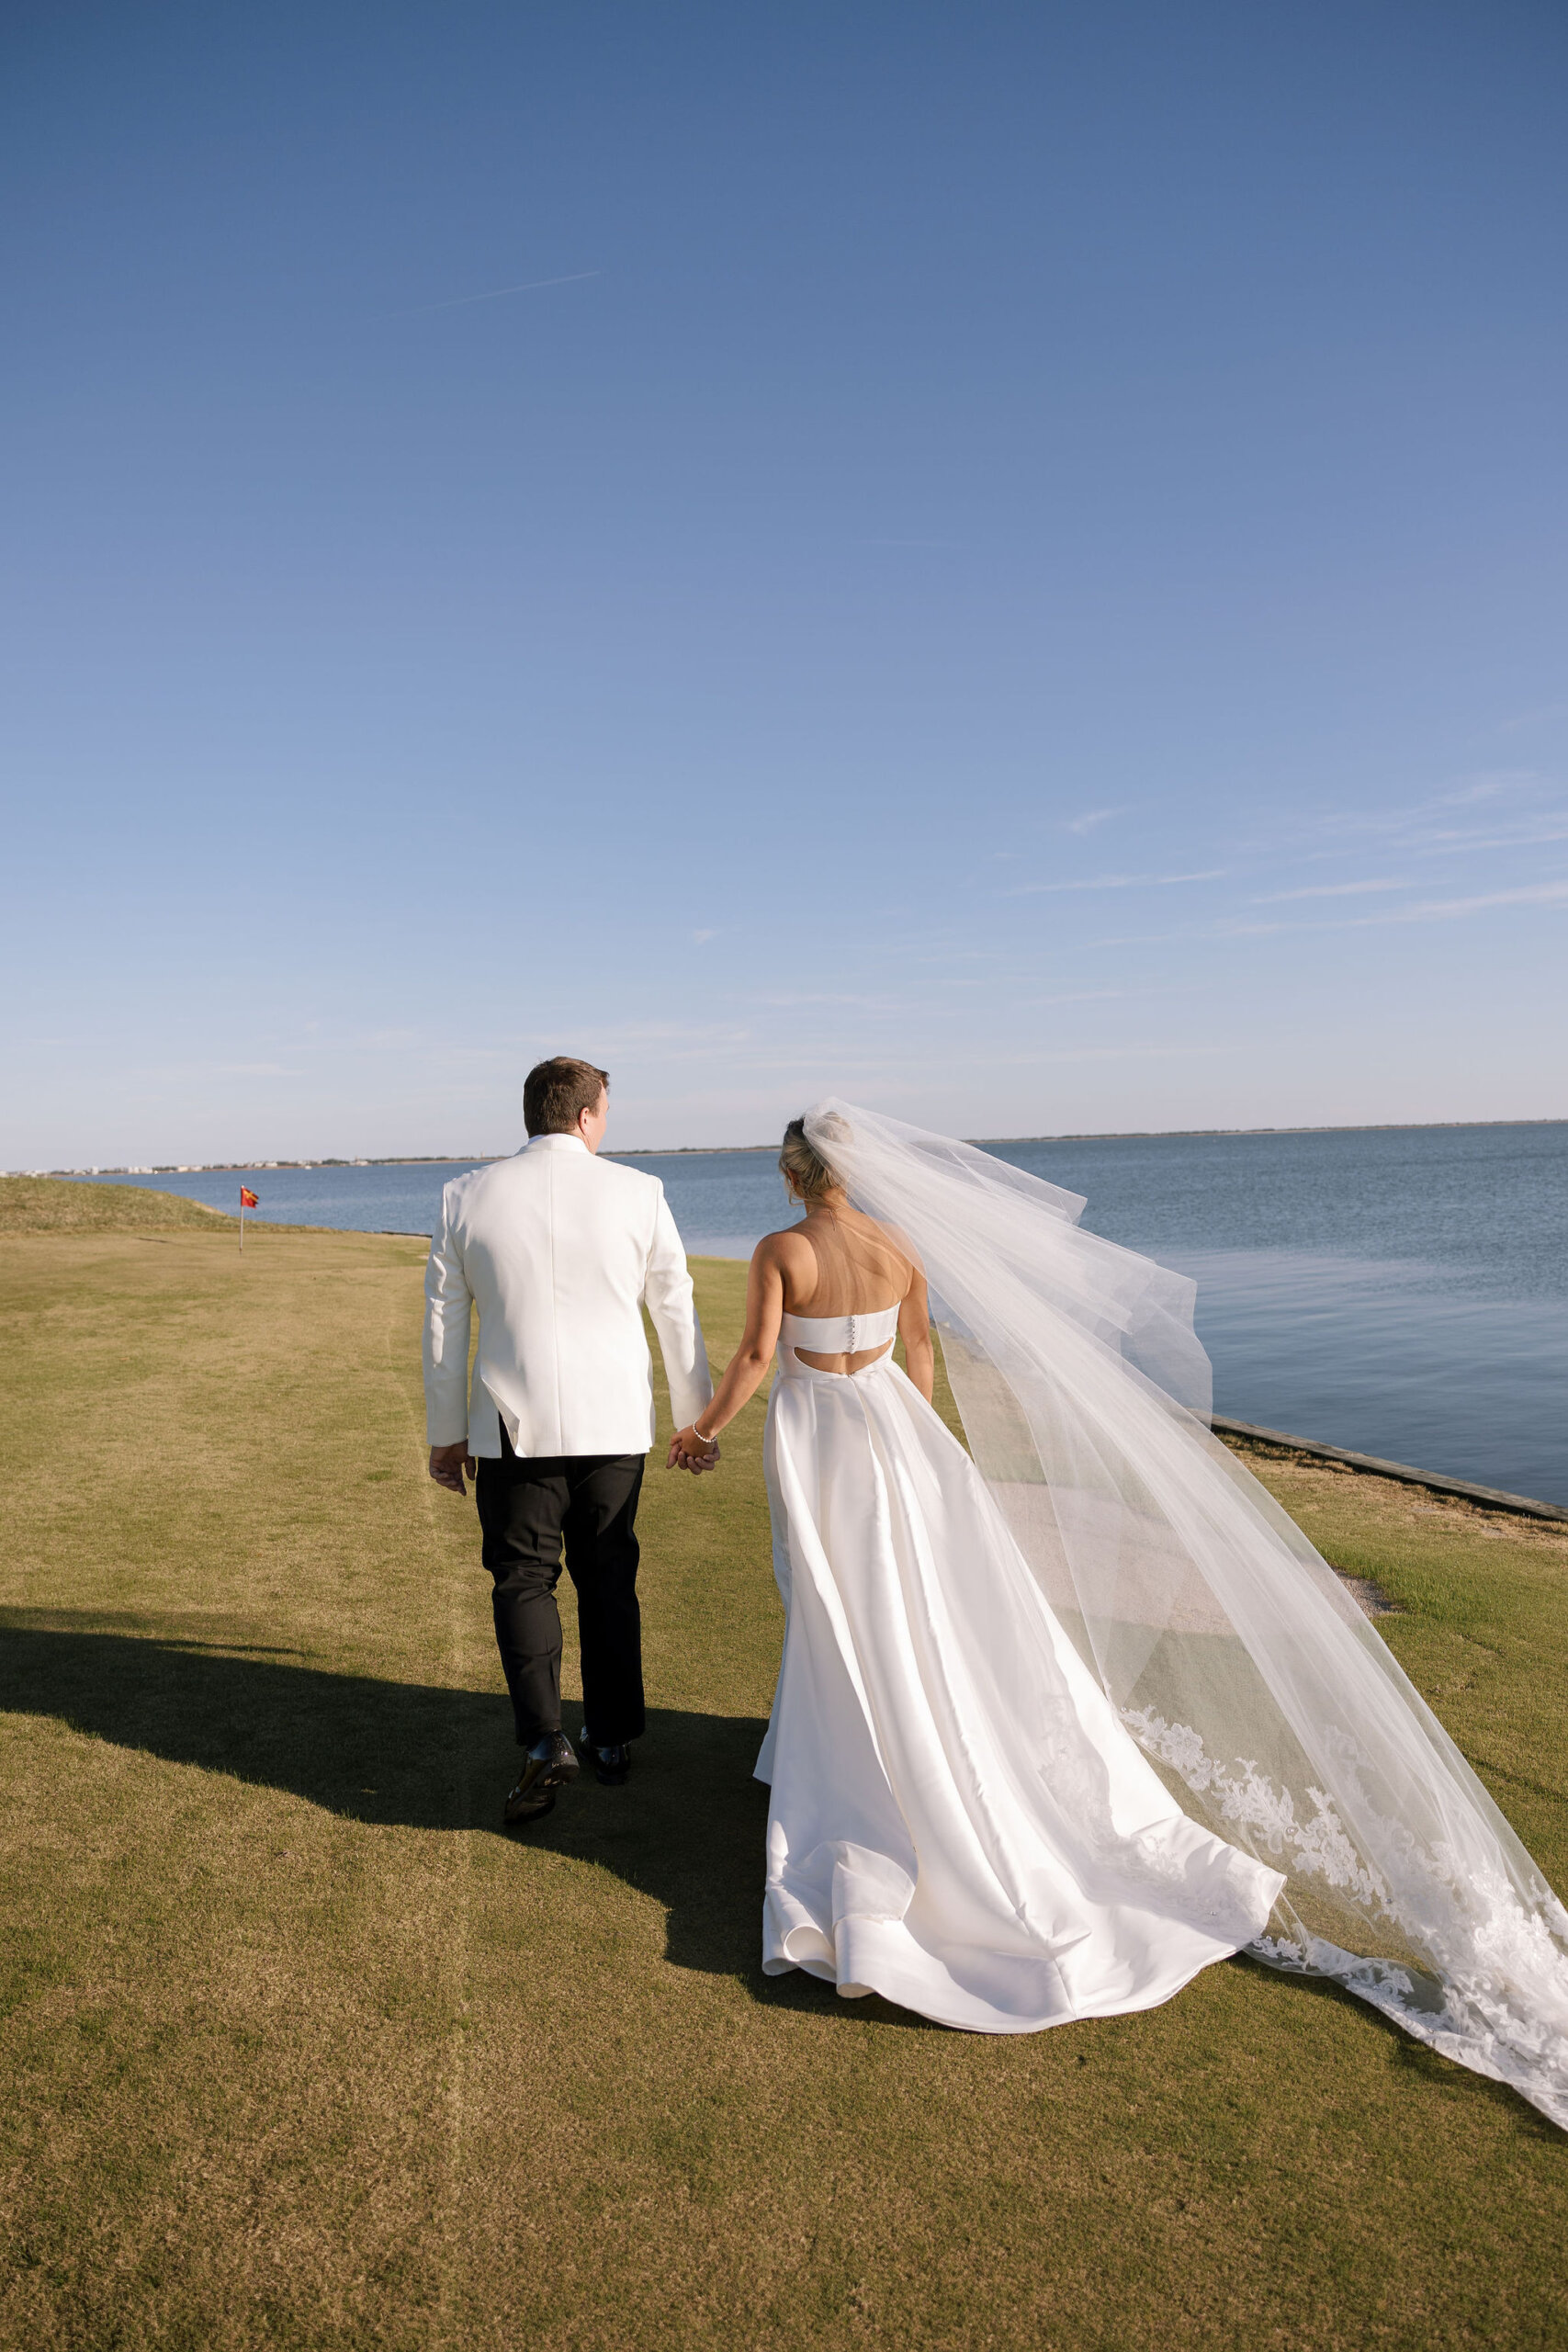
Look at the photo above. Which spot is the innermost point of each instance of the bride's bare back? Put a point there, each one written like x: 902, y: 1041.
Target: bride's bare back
x: 839, y: 1262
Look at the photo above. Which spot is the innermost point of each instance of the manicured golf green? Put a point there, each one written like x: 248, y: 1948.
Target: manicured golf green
x: 300, y: 2049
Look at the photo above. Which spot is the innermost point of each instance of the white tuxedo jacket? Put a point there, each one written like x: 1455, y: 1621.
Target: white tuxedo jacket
x: 560, y: 1251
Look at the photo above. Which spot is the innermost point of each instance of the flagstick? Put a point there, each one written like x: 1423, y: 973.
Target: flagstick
x: 242, y: 1225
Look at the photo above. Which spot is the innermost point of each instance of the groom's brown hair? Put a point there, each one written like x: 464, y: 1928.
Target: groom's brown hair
x: 556, y: 1093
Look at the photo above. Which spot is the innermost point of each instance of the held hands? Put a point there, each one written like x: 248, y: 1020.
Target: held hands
x: 689, y: 1452
x: 448, y: 1463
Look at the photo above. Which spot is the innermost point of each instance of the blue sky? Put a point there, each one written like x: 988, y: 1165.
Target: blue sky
x: 1005, y: 561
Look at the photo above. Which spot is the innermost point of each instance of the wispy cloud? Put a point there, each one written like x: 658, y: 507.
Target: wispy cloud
x: 1535, y: 894
x: 1548, y: 710
x: 1118, y: 882
x: 793, y: 1002
x: 701, y: 938
x: 162, y: 1073
x: 1437, y: 825
x: 1532, y: 893
x: 1459, y: 840
x: 1414, y: 838
x: 1328, y: 891
x: 1076, y: 996
x: 495, y: 293
x: 1494, y: 786
x: 1091, y: 817
x: 1124, y: 1053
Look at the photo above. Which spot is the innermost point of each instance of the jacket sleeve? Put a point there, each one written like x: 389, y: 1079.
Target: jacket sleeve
x: 667, y: 1293
x: 448, y: 1310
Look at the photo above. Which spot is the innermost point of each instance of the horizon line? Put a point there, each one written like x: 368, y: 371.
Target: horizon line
x: 716, y: 1150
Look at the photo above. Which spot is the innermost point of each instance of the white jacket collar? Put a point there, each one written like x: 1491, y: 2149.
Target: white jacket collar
x: 555, y: 1143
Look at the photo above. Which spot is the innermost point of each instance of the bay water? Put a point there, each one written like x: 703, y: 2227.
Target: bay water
x: 1402, y: 1290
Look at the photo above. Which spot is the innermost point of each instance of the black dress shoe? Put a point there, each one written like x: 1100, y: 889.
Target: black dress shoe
x: 611, y: 1765
x: 549, y: 1766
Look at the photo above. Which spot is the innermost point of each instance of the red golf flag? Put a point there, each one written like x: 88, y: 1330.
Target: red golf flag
x: 248, y: 1200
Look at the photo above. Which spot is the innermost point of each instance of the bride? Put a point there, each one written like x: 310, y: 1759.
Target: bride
x: 1066, y: 1717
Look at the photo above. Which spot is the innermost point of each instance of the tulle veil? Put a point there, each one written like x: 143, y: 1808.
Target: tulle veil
x: 1234, y: 1655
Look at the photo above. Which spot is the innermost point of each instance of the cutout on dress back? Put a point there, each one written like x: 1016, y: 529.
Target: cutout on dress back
x: 869, y: 1335
x: 854, y: 1255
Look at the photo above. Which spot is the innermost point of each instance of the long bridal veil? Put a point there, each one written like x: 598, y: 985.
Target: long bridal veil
x: 1234, y: 1655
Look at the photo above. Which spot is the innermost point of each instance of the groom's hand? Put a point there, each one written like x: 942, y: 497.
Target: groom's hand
x: 448, y: 1463
x: 687, y: 1451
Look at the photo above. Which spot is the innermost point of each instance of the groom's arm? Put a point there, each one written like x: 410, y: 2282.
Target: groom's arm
x: 448, y: 1313
x: 667, y: 1293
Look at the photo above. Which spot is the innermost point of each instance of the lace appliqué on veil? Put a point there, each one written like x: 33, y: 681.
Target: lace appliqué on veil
x: 1321, y: 1847
x: 1496, y: 1948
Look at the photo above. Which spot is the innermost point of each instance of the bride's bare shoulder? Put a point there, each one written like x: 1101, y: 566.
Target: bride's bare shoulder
x: 786, y: 1249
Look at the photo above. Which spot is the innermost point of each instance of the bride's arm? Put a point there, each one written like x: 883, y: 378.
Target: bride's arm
x: 914, y: 1330
x: 748, y: 1367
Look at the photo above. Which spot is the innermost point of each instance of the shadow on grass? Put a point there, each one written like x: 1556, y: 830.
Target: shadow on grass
x: 688, y: 1829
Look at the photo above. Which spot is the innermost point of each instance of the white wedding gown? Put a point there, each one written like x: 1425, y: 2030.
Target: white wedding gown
x: 959, y: 1821
x: 1063, y: 1718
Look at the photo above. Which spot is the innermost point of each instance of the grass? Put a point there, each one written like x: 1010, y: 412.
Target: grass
x: 299, y: 2050
x: 53, y: 1204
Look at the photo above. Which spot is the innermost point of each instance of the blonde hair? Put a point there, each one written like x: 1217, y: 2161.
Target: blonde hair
x: 801, y: 1164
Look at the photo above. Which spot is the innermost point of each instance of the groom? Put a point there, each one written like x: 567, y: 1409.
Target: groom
x: 559, y: 1250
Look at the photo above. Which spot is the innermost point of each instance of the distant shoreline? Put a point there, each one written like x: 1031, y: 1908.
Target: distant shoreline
x: 744, y: 1151
x: 1127, y: 1135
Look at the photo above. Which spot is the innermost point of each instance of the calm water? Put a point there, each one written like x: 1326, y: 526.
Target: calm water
x: 1402, y: 1292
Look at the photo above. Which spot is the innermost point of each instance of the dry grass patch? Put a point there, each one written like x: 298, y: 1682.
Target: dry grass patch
x: 55, y: 1205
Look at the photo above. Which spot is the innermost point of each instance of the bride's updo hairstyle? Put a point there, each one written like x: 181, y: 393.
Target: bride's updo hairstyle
x: 803, y: 1166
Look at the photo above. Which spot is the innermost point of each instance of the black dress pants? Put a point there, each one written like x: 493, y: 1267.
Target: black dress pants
x: 528, y: 1506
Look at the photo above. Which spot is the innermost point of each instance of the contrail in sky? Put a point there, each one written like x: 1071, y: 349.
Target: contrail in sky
x: 529, y: 286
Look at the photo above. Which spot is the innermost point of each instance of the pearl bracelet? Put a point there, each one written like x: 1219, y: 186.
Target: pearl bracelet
x: 705, y: 1440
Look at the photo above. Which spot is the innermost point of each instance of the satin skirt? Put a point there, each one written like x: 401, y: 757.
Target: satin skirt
x: 958, y: 1819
